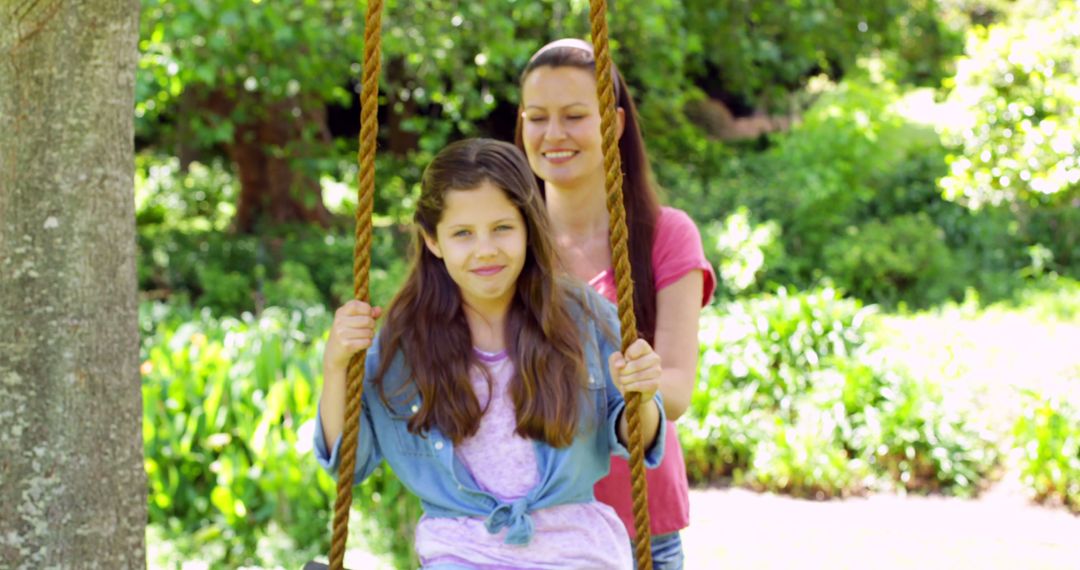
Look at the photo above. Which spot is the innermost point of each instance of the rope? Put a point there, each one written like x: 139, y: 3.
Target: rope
x: 625, y: 285
x: 354, y: 386
x: 362, y: 263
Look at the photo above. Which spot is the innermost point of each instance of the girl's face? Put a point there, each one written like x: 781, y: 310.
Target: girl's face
x: 482, y: 239
x: 561, y: 125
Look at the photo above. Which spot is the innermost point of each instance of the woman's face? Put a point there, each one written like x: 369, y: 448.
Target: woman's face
x: 561, y: 125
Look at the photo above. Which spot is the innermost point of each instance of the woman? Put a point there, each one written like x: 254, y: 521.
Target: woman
x: 559, y: 130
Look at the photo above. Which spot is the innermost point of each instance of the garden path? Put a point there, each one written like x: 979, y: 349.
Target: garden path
x: 742, y: 530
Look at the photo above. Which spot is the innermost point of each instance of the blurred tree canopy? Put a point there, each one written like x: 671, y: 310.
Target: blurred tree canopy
x: 1017, y: 141
x: 256, y: 81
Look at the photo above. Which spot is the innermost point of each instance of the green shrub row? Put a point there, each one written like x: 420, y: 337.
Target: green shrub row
x: 1047, y: 436
x: 229, y: 409
x: 792, y: 397
x: 186, y: 248
x: 299, y: 267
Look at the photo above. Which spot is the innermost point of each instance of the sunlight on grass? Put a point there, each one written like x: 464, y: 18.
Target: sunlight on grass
x: 990, y: 355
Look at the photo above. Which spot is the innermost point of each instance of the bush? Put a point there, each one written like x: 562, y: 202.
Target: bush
x: 1052, y: 298
x: 1016, y: 134
x: 185, y: 246
x: 902, y: 260
x: 198, y: 197
x: 918, y: 438
x: 793, y: 396
x: 740, y: 249
x: 850, y: 190
x: 228, y: 418
x: 295, y: 266
x: 1048, y: 438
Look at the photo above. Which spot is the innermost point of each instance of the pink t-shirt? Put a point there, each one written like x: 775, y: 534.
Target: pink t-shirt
x: 677, y: 250
x: 579, y: 535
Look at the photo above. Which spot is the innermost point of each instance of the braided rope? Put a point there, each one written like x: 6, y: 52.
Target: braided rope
x: 625, y: 285
x: 354, y: 386
x: 362, y: 264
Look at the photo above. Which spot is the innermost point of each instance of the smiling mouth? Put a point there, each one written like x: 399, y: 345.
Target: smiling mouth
x: 489, y: 270
x: 560, y: 155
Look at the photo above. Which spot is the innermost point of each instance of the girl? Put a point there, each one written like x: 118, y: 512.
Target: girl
x: 559, y: 130
x: 486, y: 389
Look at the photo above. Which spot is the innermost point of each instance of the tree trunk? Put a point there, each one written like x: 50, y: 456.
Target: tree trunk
x: 72, y: 484
x: 266, y: 150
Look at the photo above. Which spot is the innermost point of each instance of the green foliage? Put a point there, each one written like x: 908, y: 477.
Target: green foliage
x: 299, y: 267
x: 803, y: 458
x: 229, y: 411
x: 763, y: 50
x: 833, y: 187
x: 450, y: 70
x: 252, y: 54
x: 224, y: 408
x: 1048, y: 437
x: 825, y: 176
x: 1052, y: 298
x: 740, y: 248
x: 185, y: 246
x: 198, y: 198
x: 903, y: 259
x: 1015, y: 130
x: 213, y: 268
x: 1018, y: 138
x: 853, y: 195
x: 927, y: 444
x: 452, y: 60
x: 793, y: 396
x: 294, y: 289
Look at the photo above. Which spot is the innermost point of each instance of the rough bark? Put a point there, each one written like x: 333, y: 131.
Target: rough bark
x: 72, y: 484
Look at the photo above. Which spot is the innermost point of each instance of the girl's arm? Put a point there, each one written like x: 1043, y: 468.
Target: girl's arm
x: 353, y: 330
x: 678, y: 308
x: 332, y: 402
x: 638, y: 371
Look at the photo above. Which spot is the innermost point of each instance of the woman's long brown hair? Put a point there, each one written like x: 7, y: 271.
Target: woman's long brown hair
x: 426, y: 321
x: 639, y: 189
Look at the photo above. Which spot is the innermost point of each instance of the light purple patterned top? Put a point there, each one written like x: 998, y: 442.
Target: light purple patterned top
x: 581, y: 535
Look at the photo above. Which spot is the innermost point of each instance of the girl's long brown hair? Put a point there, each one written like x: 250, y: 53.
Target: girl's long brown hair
x: 639, y: 189
x: 426, y: 322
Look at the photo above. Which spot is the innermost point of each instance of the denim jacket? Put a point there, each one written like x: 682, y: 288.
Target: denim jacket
x: 428, y: 466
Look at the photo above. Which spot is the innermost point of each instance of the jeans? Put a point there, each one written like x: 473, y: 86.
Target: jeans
x: 667, y: 552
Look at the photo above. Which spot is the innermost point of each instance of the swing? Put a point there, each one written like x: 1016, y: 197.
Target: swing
x: 362, y: 264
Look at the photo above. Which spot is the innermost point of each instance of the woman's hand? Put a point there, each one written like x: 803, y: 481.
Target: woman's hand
x: 353, y: 330
x: 638, y: 371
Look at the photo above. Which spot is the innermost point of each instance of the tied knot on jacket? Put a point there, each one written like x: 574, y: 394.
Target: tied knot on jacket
x: 515, y: 517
